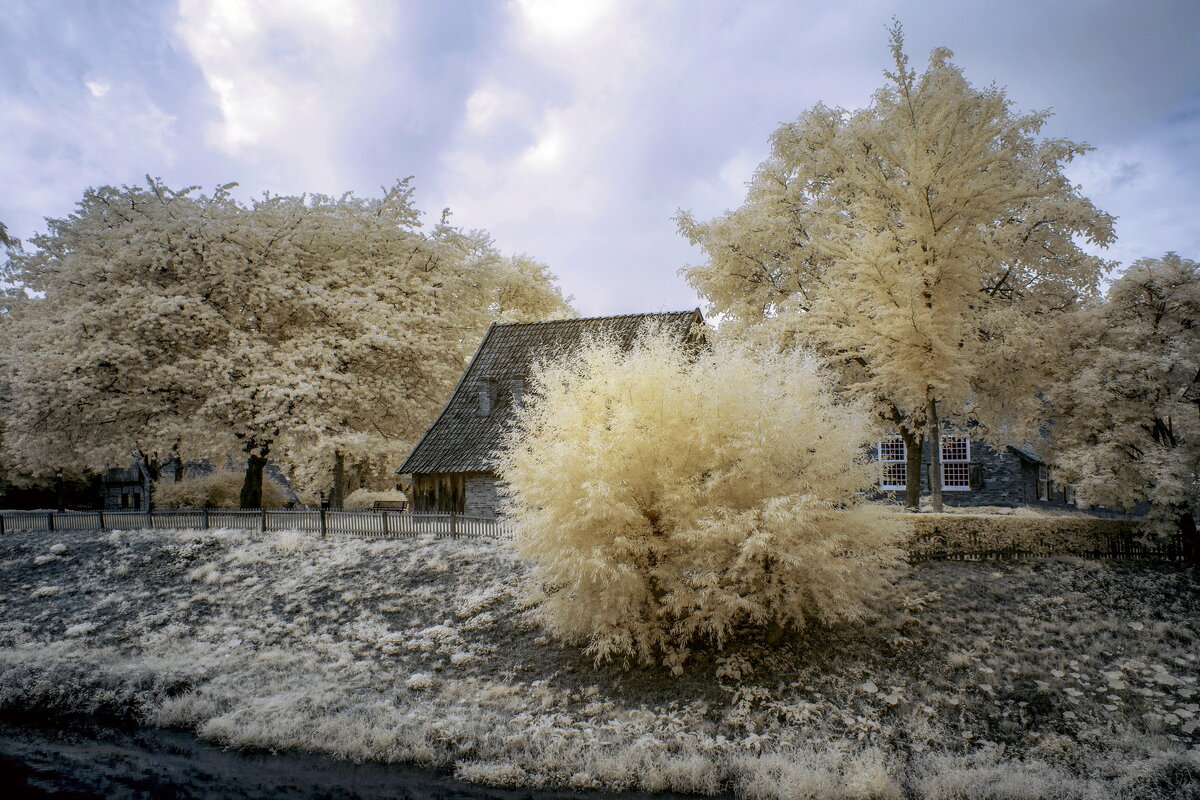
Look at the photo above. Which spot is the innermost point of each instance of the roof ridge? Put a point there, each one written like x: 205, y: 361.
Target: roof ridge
x: 595, y: 319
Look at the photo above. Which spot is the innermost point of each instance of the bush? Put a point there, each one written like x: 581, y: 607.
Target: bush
x: 364, y: 499
x: 961, y: 534
x: 220, y: 489
x: 668, y: 500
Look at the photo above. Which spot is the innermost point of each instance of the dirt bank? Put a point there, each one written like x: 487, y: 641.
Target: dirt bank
x: 1058, y: 678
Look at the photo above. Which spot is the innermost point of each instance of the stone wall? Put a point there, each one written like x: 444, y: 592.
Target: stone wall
x: 483, y: 497
x: 135, y: 497
x: 1006, y: 479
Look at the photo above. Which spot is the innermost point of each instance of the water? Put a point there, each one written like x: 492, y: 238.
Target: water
x: 85, y: 758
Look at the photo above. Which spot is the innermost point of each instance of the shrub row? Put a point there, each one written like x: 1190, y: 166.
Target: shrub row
x: 993, y: 536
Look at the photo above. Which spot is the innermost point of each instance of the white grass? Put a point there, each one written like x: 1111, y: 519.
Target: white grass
x: 1064, y: 678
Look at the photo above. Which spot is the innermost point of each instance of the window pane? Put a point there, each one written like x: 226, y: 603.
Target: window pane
x: 893, y: 476
x: 891, y: 449
x: 954, y: 448
x: 956, y: 474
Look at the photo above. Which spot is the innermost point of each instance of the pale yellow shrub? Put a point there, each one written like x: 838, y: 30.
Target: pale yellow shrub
x: 364, y: 499
x: 669, y: 500
x: 220, y: 489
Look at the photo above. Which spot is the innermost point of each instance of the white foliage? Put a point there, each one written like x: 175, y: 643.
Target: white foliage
x: 915, y: 243
x: 173, y: 322
x: 669, y: 499
x: 1127, y: 426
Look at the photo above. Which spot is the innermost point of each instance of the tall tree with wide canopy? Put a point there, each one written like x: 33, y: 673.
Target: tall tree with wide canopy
x: 1127, y: 418
x: 318, y: 330
x: 911, y: 243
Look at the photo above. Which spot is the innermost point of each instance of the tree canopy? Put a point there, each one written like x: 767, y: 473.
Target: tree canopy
x: 909, y: 243
x: 307, y: 329
x: 1127, y: 418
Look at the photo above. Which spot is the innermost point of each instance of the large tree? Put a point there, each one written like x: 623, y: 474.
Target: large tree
x: 1127, y: 419
x: 911, y: 243
x: 320, y: 331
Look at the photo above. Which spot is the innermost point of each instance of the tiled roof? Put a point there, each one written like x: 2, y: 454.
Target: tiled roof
x: 461, y: 439
x: 1026, y: 454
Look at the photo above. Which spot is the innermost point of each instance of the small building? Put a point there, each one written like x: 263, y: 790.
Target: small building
x: 125, y: 489
x: 975, y: 473
x: 451, y: 466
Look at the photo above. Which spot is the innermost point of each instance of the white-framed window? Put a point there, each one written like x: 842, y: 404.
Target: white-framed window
x: 956, y: 463
x: 1043, y: 483
x: 892, y: 456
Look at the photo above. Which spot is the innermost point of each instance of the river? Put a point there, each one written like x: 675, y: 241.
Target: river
x: 85, y: 758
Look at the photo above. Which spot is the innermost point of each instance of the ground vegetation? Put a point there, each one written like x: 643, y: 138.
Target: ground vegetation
x: 1054, y: 678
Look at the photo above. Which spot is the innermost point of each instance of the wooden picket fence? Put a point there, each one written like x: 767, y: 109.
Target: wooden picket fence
x: 935, y: 536
x: 369, y: 524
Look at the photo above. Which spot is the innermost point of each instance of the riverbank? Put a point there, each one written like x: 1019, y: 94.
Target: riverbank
x: 83, y: 758
x: 1054, y: 678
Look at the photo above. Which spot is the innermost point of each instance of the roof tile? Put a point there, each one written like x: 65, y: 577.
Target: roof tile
x: 462, y: 440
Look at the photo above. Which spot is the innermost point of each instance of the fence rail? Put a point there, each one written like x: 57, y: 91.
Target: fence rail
x: 962, y: 538
x: 369, y: 524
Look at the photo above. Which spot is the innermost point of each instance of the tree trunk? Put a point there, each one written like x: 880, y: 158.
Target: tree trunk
x: 60, y: 494
x: 178, y: 469
x: 337, y: 494
x: 1191, y: 541
x: 152, y: 469
x: 935, y: 459
x: 252, y: 486
x: 912, y: 468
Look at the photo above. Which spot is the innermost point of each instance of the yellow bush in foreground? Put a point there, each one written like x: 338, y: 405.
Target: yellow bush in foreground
x: 669, y: 500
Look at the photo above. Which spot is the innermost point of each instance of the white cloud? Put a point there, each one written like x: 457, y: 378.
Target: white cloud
x: 1149, y: 185
x: 549, y: 140
x: 97, y: 88
x: 560, y: 21
x: 284, y: 75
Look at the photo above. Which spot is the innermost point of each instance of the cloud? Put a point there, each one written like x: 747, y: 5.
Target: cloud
x: 97, y: 88
x: 1149, y: 184
x: 285, y: 76
x: 549, y: 139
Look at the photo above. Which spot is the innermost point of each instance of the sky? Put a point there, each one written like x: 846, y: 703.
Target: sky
x: 572, y: 130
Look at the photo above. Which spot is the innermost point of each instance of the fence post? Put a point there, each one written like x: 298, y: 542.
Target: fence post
x: 385, y: 524
x: 323, y: 523
x: 1, y: 524
x: 262, y: 520
x: 453, y: 525
x: 150, y: 520
x: 50, y: 521
x: 206, y: 518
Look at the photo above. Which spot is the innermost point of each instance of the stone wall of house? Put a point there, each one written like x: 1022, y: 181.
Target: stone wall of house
x: 124, y: 497
x: 1006, y: 480
x: 482, y: 492
x: 1001, y: 479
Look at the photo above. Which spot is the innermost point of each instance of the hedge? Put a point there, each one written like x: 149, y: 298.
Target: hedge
x: 977, y: 536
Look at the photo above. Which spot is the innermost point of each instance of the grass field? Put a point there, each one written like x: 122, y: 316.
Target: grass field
x: 1051, y: 678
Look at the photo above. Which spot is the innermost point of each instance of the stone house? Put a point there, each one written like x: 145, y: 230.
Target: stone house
x: 451, y: 464
x: 975, y: 473
x: 125, y: 489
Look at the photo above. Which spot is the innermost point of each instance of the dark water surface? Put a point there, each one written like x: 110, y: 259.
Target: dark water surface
x: 84, y: 758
